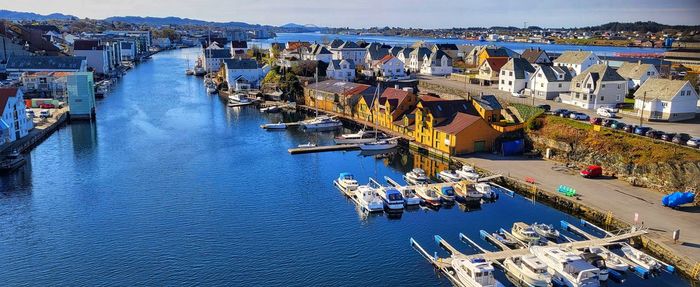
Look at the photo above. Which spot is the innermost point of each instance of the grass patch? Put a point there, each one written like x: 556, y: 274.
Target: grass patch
x: 527, y: 112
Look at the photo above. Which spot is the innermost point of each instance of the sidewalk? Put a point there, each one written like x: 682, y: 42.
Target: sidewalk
x: 613, y: 195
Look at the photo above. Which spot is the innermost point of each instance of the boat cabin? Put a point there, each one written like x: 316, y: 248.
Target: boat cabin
x: 479, y: 270
x: 393, y: 195
x: 533, y: 264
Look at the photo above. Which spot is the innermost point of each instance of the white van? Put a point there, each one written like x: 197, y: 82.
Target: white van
x: 606, y: 112
x: 45, y: 114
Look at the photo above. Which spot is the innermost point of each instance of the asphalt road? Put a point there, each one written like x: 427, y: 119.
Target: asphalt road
x: 690, y: 127
x: 607, y: 194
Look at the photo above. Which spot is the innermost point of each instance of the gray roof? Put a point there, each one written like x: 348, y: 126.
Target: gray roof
x: 44, y: 63
x: 573, y: 57
x: 341, y: 87
x: 437, y: 56
x: 633, y: 70
x: 336, y: 64
x: 420, y: 52
x: 600, y: 73
x: 336, y: 43
x: 217, y: 53
x: 465, y: 49
x: 531, y: 55
x: 376, y: 54
x: 552, y: 72
x: 241, y: 64
x: 659, y: 89
x: 489, y: 102
x: 317, y: 49
x: 406, y: 52
x: 349, y: 45
x: 519, y: 66
x: 446, y: 47
x: 497, y: 52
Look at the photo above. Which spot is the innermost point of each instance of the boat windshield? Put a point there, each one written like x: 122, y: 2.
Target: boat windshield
x: 394, y: 196
x: 448, y: 190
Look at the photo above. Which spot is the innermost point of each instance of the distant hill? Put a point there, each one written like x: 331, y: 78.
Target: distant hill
x: 157, y: 21
x: 648, y: 26
x: 15, y: 15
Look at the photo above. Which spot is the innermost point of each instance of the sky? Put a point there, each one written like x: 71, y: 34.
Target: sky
x: 380, y: 13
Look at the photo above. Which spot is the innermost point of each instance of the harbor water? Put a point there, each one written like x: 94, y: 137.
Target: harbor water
x: 169, y: 187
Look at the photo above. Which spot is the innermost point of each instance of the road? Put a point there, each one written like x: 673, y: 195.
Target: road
x: 609, y: 194
x: 690, y: 127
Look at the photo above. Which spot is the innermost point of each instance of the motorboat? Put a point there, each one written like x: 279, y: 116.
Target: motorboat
x: 429, y: 195
x: 347, y: 183
x: 449, y: 175
x: 199, y: 71
x: 545, y: 230
x: 367, y: 198
x: 528, y: 269
x: 379, y: 145
x: 277, y: 126
x: 447, y: 193
x: 597, y: 261
x: 12, y: 161
x: 475, y: 272
x: 306, y: 145
x: 271, y: 109
x: 640, y: 258
x: 416, y: 176
x: 525, y: 233
x: 211, y: 88
x: 410, y: 197
x: 502, y: 238
x: 612, y: 260
x: 359, y: 137
x: 240, y: 98
x: 467, y: 194
x: 567, y: 268
x: 468, y: 173
x: 392, y: 197
x: 485, y: 190
x: 189, y: 72
x: 322, y: 123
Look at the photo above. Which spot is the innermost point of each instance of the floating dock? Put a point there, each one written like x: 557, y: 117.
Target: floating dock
x: 302, y: 150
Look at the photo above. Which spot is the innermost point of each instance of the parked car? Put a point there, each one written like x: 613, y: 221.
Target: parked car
x: 45, y: 114
x: 641, y: 130
x: 693, y: 142
x: 629, y: 128
x: 47, y: 106
x: 605, y: 113
x: 517, y: 95
x: 654, y: 134
x: 681, y: 138
x: 579, y: 116
x: 668, y: 136
x: 592, y: 171
x: 30, y: 113
x: 595, y: 121
x: 608, y: 122
x: 546, y: 108
x: 558, y: 112
x: 618, y: 125
x: 565, y: 114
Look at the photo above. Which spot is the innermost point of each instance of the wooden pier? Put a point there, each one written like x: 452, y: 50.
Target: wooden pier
x: 302, y: 150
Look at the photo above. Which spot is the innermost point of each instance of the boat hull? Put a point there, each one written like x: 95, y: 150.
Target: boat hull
x: 375, y: 147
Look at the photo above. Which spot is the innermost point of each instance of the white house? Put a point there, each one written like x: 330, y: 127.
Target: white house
x: 577, y: 61
x: 214, y: 58
x: 239, y: 48
x: 514, y: 75
x: 14, y: 123
x: 317, y: 53
x: 637, y: 73
x: 243, y: 74
x: 374, y: 55
x: 96, y: 54
x: 437, y: 63
x: 547, y: 82
x: 389, y: 67
x: 349, y: 50
x: 342, y: 70
x: 127, y: 50
x: 416, y: 58
x: 404, y: 55
x: 666, y: 100
x: 597, y: 86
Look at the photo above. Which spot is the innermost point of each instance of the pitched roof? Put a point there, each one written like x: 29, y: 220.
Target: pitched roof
x: 532, y: 54
x: 420, y: 52
x: 317, y: 49
x: 496, y: 63
x: 44, y: 63
x: 488, y: 102
x: 437, y: 57
x: 393, y: 94
x: 336, y: 64
x: 447, y: 47
x: 349, y: 45
x: 552, y: 73
x: 336, y: 43
x: 659, y: 89
x: 519, y: 66
x: 406, y: 52
x: 633, y: 70
x: 239, y: 44
x: 444, y: 109
x: 342, y: 88
x: 458, y: 123
x: 217, y: 54
x: 573, y: 57
x: 600, y: 73
x: 241, y: 64
x: 5, y: 95
x: 386, y: 58
x: 377, y: 54
x: 297, y: 45
x: 496, y: 52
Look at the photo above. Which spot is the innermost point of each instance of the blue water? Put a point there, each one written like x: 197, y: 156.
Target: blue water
x: 407, y: 41
x: 169, y: 188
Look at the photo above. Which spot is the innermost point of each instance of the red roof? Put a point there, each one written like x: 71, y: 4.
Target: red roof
x: 428, y: 98
x: 297, y: 45
x: 497, y: 63
x: 5, y: 94
x: 460, y: 122
x: 392, y: 93
x: 386, y: 58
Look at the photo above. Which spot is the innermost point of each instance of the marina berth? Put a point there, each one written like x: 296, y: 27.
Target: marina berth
x: 347, y: 183
x: 612, y: 260
x: 447, y: 193
x: 640, y: 258
x: 449, y: 175
x: 392, y: 197
x: 486, y: 190
x: 467, y: 194
x: 322, y: 123
x: 379, y: 145
x: 567, y: 268
x: 475, y: 272
x: 416, y: 176
x: 367, y: 199
x: 545, y: 230
x: 525, y: 233
x: 359, y: 137
x: 468, y: 173
x: 429, y: 195
x: 409, y: 195
x: 529, y: 270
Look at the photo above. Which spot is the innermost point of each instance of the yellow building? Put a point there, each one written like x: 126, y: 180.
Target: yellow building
x: 496, y: 53
x: 391, y: 107
x: 335, y: 96
x: 488, y: 107
x: 363, y: 108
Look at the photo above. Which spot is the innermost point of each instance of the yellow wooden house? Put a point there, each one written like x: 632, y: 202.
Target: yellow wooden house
x: 335, y: 96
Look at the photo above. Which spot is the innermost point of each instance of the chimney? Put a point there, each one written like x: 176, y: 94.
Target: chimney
x: 397, y: 87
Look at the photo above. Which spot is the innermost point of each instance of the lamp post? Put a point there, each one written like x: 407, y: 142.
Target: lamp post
x: 641, y: 111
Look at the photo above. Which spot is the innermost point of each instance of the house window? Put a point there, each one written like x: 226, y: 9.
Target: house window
x: 577, y: 95
x: 588, y: 86
x: 542, y: 85
x: 539, y: 75
x: 664, y: 104
x: 648, y: 73
x: 603, y: 86
x: 503, y: 81
x: 619, y: 86
x: 578, y: 85
x: 602, y: 98
x: 618, y: 98
x: 510, y: 83
x: 503, y: 73
x: 510, y: 73
x: 585, y: 97
x: 560, y: 85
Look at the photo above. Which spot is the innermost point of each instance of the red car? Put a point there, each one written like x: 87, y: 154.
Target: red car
x: 592, y: 171
x: 596, y: 121
x: 47, y: 106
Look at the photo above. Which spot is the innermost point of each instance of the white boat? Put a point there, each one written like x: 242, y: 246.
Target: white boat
x: 367, y: 198
x: 392, y: 197
x: 416, y: 176
x: 525, y: 233
x: 189, y: 72
x: 597, y: 261
x: 449, y: 175
x: 612, y: 260
x: 468, y: 173
x: 447, y: 193
x: 429, y: 195
x: 277, y: 126
x: 309, y: 144
x: 347, y: 183
x: 567, y: 268
x: 359, y: 137
x: 270, y: 109
x: 545, y: 230
x: 529, y: 270
x: 199, y: 71
x: 467, y: 194
x: 322, y: 123
x: 379, y: 145
x: 240, y: 98
x: 640, y: 258
x: 410, y: 197
x: 211, y: 88
x: 475, y: 272
x: 486, y: 190
x: 502, y: 238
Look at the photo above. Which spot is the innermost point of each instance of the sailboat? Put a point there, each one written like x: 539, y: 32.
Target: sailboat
x: 378, y: 144
x: 321, y: 123
x: 189, y: 71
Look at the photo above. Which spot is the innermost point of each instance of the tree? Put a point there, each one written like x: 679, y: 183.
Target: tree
x: 305, y: 68
x: 693, y: 79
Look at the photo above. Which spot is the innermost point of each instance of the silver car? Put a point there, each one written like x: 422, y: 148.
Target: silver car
x: 693, y: 142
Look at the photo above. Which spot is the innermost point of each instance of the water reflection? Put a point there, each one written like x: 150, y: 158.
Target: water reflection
x: 84, y: 135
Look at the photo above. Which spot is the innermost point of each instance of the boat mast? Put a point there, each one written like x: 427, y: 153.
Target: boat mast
x: 316, y: 92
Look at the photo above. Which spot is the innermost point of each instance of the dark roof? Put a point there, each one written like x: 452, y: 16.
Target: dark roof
x: 336, y: 64
x: 420, y: 52
x: 447, y: 47
x: 239, y: 44
x: 600, y: 73
x: 217, y: 53
x: 87, y: 45
x: 532, y: 54
x: 552, y: 72
x: 336, y: 43
x: 236, y: 64
x: 342, y: 88
x: 496, y: 63
x: 406, y: 52
x: 445, y: 109
x: 488, y: 102
x: 377, y: 54
x: 44, y: 63
x: 349, y: 45
x: 519, y: 66
x: 43, y: 28
x: 496, y: 52
x: 317, y: 49
x: 6, y: 94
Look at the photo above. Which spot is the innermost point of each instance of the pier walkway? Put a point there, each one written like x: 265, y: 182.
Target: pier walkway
x: 360, y: 122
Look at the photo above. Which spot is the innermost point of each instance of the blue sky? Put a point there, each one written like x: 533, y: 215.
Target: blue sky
x: 394, y: 13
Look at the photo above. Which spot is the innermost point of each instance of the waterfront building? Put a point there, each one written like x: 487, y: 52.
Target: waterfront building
x: 489, y: 70
x: 17, y: 65
x: 337, y: 96
x: 95, y: 53
x: 127, y: 50
x: 317, y: 52
x: 547, y: 82
x: 243, y: 74
x: 666, y: 100
x: 536, y: 56
x: 239, y: 48
x: 391, y: 107
x: 81, y: 95
x: 597, y: 86
x: 349, y: 51
x: 343, y: 70
x: 688, y: 56
x: 214, y: 58
x: 576, y: 61
x: 389, y: 67
x: 514, y: 75
x: 416, y: 58
x: 437, y: 63
x: 488, y: 107
x: 637, y: 73
x: 44, y: 84
x: 14, y: 123
x: 163, y: 43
